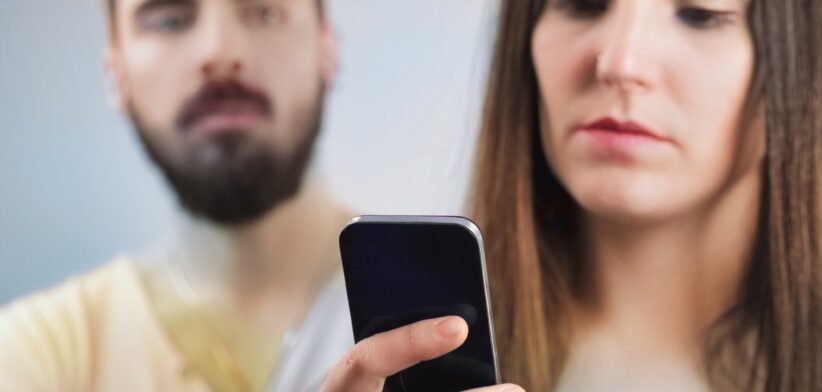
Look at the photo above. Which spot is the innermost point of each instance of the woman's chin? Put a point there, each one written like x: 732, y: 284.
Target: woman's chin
x: 628, y: 207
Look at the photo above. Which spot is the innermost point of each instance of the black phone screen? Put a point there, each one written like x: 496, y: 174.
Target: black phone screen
x: 397, y: 273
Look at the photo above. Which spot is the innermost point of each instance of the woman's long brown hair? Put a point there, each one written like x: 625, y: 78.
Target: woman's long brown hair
x: 528, y: 218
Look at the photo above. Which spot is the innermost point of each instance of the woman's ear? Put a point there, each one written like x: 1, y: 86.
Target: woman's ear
x: 329, y: 60
x: 117, y: 89
x: 752, y: 140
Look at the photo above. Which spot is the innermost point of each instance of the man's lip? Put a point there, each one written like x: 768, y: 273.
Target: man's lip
x: 213, y: 117
x: 218, y: 123
x: 629, y: 128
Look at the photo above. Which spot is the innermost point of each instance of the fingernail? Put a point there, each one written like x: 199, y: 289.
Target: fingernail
x: 510, y: 388
x: 449, y: 327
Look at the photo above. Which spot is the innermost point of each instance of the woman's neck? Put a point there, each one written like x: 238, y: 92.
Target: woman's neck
x: 664, y: 284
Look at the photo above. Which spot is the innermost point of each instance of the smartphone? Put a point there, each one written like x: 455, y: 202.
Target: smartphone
x: 403, y: 269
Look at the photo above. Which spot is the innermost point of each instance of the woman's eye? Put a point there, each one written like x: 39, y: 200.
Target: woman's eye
x: 701, y: 18
x: 583, y: 8
x: 168, y: 19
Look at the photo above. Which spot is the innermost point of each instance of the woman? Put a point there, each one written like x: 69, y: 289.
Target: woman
x: 649, y: 185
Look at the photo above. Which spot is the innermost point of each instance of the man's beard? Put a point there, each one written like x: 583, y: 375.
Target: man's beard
x: 233, y: 179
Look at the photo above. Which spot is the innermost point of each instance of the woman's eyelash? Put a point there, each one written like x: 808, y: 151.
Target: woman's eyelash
x: 582, y: 8
x: 695, y: 17
x: 703, y: 18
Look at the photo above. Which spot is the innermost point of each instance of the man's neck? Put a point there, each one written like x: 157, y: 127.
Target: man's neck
x: 285, y: 256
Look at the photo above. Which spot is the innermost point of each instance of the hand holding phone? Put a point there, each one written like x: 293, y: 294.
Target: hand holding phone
x: 400, y: 270
x: 367, y: 365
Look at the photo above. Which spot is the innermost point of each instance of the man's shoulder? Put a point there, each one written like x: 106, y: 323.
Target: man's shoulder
x: 54, y: 331
x: 83, y: 293
x: 66, y: 312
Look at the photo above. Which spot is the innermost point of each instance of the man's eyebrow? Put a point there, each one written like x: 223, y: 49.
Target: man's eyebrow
x: 146, y: 5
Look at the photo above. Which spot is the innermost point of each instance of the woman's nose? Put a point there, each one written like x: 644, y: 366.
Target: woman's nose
x: 626, y: 58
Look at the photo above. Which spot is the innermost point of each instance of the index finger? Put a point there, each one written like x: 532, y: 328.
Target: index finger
x: 381, y: 355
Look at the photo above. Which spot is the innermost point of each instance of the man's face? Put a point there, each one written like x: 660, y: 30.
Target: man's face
x: 226, y: 95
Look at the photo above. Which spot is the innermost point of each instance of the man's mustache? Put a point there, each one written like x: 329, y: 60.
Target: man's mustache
x: 219, y: 96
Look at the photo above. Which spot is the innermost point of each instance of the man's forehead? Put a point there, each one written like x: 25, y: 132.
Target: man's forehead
x: 136, y: 3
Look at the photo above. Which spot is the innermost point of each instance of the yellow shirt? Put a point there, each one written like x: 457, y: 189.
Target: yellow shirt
x: 99, y: 332
x: 92, y: 333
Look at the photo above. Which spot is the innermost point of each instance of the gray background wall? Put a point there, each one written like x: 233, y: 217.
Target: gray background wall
x: 75, y: 189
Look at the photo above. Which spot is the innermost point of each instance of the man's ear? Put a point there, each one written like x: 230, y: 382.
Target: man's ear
x: 118, y: 92
x: 329, y: 61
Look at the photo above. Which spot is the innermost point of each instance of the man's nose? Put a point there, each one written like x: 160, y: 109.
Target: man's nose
x: 222, y: 55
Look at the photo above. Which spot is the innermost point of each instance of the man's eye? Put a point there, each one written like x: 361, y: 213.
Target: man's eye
x: 701, y: 18
x: 266, y: 14
x: 583, y: 8
x: 168, y: 20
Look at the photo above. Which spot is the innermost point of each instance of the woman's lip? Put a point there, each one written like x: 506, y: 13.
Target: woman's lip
x: 622, y: 142
x: 628, y: 128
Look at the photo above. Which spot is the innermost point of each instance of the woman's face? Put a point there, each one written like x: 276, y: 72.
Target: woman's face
x: 641, y: 102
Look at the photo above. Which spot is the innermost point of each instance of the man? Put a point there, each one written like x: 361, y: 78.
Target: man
x: 226, y: 97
